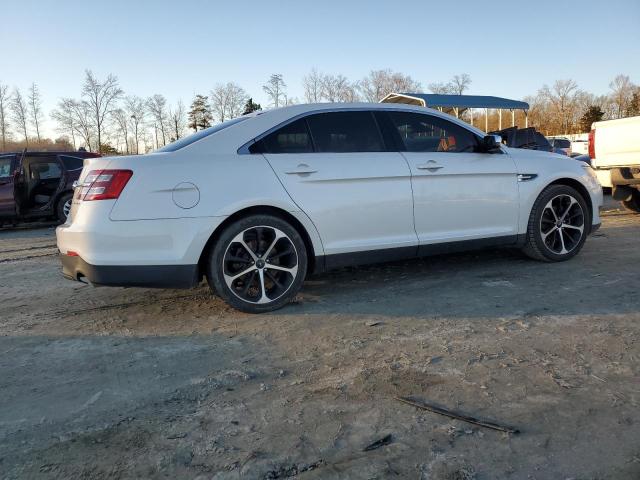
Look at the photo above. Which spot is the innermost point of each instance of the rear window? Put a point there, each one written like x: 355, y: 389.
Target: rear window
x: 183, y: 142
x: 561, y: 143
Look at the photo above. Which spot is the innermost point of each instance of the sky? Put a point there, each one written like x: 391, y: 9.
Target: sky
x: 180, y: 48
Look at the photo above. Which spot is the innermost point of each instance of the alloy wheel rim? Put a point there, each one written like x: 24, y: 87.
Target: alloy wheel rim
x: 562, y: 224
x: 66, y: 208
x: 260, y: 264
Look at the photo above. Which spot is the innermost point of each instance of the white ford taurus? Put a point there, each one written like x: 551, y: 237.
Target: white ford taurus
x: 258, y: 202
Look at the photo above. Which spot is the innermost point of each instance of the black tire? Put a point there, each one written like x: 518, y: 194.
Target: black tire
x: 633, y: 204
x: 269, y: 279
x: 548, y: 238
x: 60, y: 207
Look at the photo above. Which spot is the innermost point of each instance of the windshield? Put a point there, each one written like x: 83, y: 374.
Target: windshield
x: 183, y: 142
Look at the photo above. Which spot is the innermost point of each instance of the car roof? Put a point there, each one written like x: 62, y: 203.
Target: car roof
x: 239, y: 134
x: 43, y: 153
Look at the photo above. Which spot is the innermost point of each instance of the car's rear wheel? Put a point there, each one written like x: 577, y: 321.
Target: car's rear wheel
x: 633, y: 204
x: 63, y: 208
x: 558, y: 224
x: 258, y: 264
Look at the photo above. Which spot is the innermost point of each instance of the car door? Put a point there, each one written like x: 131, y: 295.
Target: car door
x: 460, y: 193
x: 336, y: 168
x: 7, y: 187
x: 45, y: 180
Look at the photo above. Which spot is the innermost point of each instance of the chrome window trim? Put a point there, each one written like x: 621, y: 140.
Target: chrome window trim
x: 244, y: 149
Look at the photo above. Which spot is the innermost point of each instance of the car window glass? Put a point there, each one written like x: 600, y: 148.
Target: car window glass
x: 339, y: 132
x: 72, y: 163
x: 426, y: 133
x: 292, y: 138
x: 47, y: 170
x: 5, y: 167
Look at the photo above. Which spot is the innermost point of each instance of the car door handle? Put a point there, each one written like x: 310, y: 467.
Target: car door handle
x: 430, y: 165
x: 302, y: 169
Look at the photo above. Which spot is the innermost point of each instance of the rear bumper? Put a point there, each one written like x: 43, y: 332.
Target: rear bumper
x: 151, y: 276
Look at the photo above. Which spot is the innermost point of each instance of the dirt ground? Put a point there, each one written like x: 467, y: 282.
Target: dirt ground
x: 123, y: 383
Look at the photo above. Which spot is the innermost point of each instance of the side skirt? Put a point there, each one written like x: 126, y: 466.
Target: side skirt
x: 330, y: 262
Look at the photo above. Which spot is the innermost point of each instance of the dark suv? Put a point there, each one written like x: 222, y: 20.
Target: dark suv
x: 35, y: 185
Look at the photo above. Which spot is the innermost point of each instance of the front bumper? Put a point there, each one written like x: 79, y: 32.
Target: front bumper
x: 152, y: 276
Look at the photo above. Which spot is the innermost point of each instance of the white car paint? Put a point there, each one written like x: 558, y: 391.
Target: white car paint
x: 617, y: 143
x: 353, y: 202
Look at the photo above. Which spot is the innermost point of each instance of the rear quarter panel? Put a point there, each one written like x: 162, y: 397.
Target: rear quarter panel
x: 226, y: 183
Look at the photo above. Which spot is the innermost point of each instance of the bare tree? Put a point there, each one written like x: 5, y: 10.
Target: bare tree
x: 121, y: 121
x: 312, y: 84
x: 456, y: 86
x: 236, y: 98
x: 621, y: 93
x: 82, y: 119
x: 136, y: 110
x: 99, y: 98
x: 275, y: 88
x: 177, y: 119
x: 20, y: 114
x: 563, y: 99
x: 157, y: 106
x: 440, y: 88
x: 379, y: 83
x: 349, y: 93
x: 4, y: 114
x: 65, y: 120
x: 332, y: 86
x: 35, y: 106
x: 460, y: 83
x: 227, y: 101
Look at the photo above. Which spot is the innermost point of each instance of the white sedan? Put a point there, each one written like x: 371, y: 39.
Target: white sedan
x: 257, y: 203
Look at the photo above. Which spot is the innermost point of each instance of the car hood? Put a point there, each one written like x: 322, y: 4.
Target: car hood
x: 534, y: 161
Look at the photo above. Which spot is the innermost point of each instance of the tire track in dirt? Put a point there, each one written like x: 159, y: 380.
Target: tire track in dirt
x: 18, y: 254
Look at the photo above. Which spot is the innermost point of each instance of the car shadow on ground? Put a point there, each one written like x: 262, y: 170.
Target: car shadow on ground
x: 485, y: 283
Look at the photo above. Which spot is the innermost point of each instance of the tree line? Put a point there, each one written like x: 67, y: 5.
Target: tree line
x: 104, y: 119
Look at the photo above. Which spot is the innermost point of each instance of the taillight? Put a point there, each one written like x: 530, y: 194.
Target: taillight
x: 104, y: 184
x: 592, y: 144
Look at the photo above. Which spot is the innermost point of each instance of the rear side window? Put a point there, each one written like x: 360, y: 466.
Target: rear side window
x: 5, y: 166
x: 340, y: 132
x: 71, y: 163
x: 46, y: 170
x: 292, y: 138
x: 426, y: 133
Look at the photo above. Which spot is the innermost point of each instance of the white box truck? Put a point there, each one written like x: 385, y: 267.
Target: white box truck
x: 614, y: 148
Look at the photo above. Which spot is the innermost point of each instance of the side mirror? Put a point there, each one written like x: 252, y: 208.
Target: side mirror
x: 491, y: 143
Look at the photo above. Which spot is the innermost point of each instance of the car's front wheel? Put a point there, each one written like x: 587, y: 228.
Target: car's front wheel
x: 558, y: 224
x: 258, y: 264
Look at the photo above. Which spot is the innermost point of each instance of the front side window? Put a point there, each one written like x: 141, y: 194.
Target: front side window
x: 426, y: 133
x: 339, y: 132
